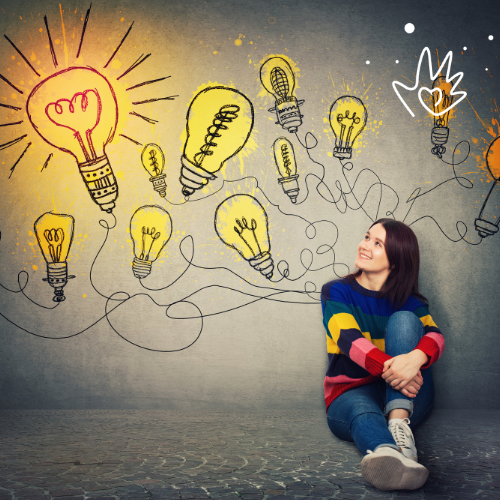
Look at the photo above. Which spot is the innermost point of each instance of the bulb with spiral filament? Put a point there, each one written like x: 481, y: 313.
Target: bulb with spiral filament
x: 278, y: 79
x: 153, y: 160
x: 442, y: 102
x: 150, y: 229
x: 54, y: 233
x: 241, y: 223
x: 287, y: 167
x: 219, y: 122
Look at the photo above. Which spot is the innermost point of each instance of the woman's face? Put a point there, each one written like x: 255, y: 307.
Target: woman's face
x: 372, y: 257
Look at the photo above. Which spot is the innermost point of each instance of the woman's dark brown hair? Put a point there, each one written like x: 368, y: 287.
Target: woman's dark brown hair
x: 401, y: 247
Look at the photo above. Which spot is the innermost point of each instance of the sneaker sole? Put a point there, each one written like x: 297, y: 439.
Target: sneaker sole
x: 389, y: 473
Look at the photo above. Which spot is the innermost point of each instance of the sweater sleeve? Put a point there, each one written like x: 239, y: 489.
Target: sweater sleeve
x: 343, y: 332
x: 432, y: 342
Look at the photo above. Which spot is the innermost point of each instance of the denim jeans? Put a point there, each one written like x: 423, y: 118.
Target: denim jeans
x: 359, y: 414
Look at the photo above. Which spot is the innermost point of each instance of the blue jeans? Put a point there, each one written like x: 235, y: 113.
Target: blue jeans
x: 359, y: 414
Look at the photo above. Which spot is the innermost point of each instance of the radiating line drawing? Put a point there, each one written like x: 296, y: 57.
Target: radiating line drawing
x: 219, y: 122
x: 83, y: 31
x: 15, y: 108
x: 153, y: 160
x: 278, y: 79
x: 446, y: 61
x: 348, y: 118
x: 47, y: 162
x: 22, y: 55
x: 284, y: 157
x: 54, y: 233
x: 442, y: 101
x: 145, y: 118
x: 489, y: 216
x: 242, y: 224
x: 119, y: 46
x: 9, y: 124
x: 52, y: 52
x: 137, y: 143
x: 134, y: 65
x: 18, y: 160
x: 147, y: 83
x: 150, y: 229
x: 81, y: 122
x: 11, y: 84
x: 11, y: 143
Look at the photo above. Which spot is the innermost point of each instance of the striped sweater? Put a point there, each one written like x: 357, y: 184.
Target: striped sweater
x: 355, y: 320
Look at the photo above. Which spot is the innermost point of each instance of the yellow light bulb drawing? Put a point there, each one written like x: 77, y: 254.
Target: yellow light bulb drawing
x: 348, y: 118
x: 76, y: 111
x: 153, y: 160
x: 442, y: 102
x: 219, y: 122
x: 489, y: 216
x: 150, y: 228
x: 287, y: 167
x: 54, y: 233
x: 278, y: 79
x: 241, y: 223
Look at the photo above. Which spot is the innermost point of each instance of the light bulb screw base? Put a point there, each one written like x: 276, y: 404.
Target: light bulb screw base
x: 485, y: 228
x: 101, y: 182
x: 159, y: 184
x: 264, y: 264
x: 57, y: 277
x: 439, y: 137
x: 193, y: 177
x: 141, y: 268
x: 290, y: 186
x: 342, y: 153
x: 288, y: 113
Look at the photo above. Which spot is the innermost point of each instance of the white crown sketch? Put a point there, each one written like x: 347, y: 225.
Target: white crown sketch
x: 447, y: 60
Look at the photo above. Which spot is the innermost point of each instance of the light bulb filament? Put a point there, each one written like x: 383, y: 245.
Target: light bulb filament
x: 354, y: 121
x: 154, y: 162
x: 285, y: 154
x: 279, y: 81
x: 78, y: 114
x: 226, y: 114
x: 55, y: 238
x: 243, y: 225
x: 148, y: 238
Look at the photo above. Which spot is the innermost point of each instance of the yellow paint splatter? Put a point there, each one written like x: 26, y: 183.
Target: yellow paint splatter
x: 238, y: 42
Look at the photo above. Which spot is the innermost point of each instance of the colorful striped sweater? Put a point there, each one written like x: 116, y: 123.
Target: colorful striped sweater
x: 355, y: 320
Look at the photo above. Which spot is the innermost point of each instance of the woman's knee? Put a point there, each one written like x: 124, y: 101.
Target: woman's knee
x: 404, y: 327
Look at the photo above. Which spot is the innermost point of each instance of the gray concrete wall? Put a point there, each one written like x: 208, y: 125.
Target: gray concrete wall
x: 255, y: 343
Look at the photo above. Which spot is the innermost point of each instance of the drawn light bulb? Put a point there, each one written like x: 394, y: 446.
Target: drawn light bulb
x: 76, y: 111
x: 441, y: 101
x: 219, y: 122
x: 153, y: 161
x: 241, y: 223
x: 348, y: 118
x: 278, y: 79
x: 150, y: 228
x: 287, y: 167
x: 488, y: 220
x: 54, y: 233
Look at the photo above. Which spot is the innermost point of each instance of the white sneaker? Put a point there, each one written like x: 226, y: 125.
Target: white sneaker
x: 388, y: 469
x: 403, y: 436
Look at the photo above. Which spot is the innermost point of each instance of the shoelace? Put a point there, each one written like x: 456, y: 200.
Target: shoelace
x: 400, y: 432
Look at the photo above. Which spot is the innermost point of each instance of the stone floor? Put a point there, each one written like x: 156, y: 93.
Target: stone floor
x: 152, y: 454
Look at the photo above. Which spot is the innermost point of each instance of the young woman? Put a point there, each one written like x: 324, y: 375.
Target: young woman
x: 381, y: 341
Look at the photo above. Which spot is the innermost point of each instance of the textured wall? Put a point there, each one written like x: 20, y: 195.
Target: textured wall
x: 258, y: 343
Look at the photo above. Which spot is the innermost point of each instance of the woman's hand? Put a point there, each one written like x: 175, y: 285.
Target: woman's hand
x: 399, y: 370
x: 413, y: 386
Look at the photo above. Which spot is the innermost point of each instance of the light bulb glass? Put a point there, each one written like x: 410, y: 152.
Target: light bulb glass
x: 150, y: 229
x: 75, y: 110
x: 242, y: 224
x: 153, y: 160
x: 348, y: 118
x: 278, y: 79
x: 287, y: 167
x: 219, y: 122
x: 442, y: 101
x: 54, y: 233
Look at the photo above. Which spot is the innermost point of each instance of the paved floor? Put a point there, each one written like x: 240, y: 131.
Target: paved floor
x: 141, y: 455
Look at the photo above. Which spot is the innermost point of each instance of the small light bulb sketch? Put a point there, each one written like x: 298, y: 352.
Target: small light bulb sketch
x: 348, y: 118
x: 219, y: 122
x: 54, y: 233
x: 150, y: 229
x: 242, y: 224
x: 153, y: 160
x: 287, y: 167
x: 489, y: 216
x: 76, y: 111
x: 278, y: 79
x: 442, y: 101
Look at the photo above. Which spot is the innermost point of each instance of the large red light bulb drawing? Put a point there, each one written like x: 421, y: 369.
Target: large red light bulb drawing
x: 76, y: 111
